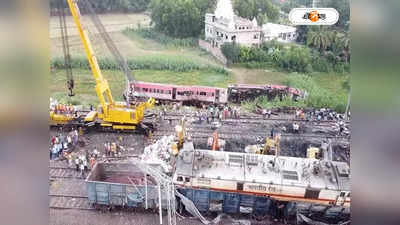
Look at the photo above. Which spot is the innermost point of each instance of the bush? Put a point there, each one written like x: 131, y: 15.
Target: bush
x: 152, y: 63
x: 295, y: 59
x: 151, y: 33
x: 290, y: 58
x: 321, y: 64
x: 231, y: 52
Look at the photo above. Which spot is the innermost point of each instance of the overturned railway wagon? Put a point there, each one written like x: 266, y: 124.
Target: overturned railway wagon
x: 245, y: 92
x: 121, y: 185
x: 260, y: 184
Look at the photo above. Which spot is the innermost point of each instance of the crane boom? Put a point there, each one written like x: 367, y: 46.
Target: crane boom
x: 102, y: 88
x: 111, y: 114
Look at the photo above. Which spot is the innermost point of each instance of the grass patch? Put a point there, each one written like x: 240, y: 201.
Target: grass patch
x: 258, y: 76
x: 323, y: 91
x: 150, y: 33
x: 85, y: 84
x: 172, y: 63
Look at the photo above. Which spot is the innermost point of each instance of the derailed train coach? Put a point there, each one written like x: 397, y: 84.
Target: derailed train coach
x: 244, y: 92
x: 164, y: 93
x: 264, y: 185
x: 235, y: 93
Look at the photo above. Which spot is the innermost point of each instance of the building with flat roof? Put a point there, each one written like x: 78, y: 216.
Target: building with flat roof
x: 279, y: 32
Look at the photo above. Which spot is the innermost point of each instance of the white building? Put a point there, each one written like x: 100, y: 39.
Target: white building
x: 223, y: 26
x: 279, y: 32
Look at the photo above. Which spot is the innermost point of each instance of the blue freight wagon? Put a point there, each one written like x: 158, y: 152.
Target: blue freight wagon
x: 120, y: 184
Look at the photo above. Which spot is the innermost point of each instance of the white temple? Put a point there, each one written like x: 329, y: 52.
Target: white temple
x: 224, y: 26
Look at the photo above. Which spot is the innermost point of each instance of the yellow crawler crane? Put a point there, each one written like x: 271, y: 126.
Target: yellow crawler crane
x: 110, y: 115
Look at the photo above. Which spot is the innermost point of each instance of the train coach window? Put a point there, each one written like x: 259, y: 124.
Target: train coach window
x: 212, y: 94
x: 179, y: 179
x: 187, y: 179
x: 203, y: 93
x: 239, y: 186
x: 145, y: 89
x: 169, y: 91
x: 312, y: 193
x: 162, y: 91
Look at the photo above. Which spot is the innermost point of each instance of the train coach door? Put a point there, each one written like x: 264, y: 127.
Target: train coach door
x: 340, y: 200
x: 173, y: 93
x: 217, y: 96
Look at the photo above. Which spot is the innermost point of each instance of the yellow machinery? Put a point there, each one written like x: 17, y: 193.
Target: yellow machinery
x: 110, y: 114
x: 313, y: 153
x: 271, y: 145
x: 57, y: 119
x: 180, y: 133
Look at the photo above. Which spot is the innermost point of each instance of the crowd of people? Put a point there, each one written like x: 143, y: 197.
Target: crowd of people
x: 320, y: 114
x: 59, y: 108
x: 113, y: 149
x: 61, y: 144
x: 83, y: 161
x: 217, y: 113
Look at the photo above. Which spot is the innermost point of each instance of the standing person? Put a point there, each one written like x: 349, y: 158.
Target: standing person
x: 96, y: 153
x: 225, y: 112
x: 77, y: 163
x: 272, y: 132
x: 85, y: 165
x: 211, y: 110
x: 69, y: 157
x: 82, y: 168
x: 91, y: 162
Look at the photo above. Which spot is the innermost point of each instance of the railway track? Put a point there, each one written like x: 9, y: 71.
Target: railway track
x: 69, y: 202
x: 64, y: 173
x: 236, y: 135
x: 252, y: 119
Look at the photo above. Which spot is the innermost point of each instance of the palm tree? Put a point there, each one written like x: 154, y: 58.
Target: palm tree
x: 319, y: 38
x: 345, y: 45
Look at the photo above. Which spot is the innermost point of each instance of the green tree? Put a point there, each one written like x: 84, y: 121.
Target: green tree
x: 319, y: 39
x: 343, y: 7
x: 231, y: 51
x: 180, y: 18
x: 302, y: 32
x: 345, y: 44
x: 262, y: 10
